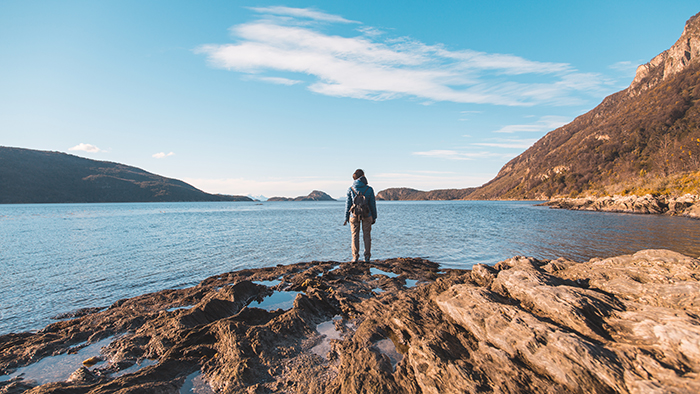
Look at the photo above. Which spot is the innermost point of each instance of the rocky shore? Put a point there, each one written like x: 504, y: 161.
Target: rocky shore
x: 686, y: 205
x: 627, y: 324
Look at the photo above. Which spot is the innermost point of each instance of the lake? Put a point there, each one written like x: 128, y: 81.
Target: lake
x: 56, y: 258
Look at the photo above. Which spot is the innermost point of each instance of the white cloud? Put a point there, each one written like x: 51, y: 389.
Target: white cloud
x: 627, y: 68
x: 161, y: 155
x: 301, y: 13
x: 365, y: 67
x: 508, y: 143
x: 86, y: 148
x: 279, y: 81
x: 457, y: 155
x: 545, y: 123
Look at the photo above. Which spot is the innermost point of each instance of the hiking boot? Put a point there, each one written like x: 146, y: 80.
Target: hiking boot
x: 366, y: 259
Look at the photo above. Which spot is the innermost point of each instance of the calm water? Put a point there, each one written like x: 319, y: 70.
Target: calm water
x: 56, y: 258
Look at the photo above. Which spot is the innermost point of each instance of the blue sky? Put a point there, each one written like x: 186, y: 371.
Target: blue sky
x: 282, y: 98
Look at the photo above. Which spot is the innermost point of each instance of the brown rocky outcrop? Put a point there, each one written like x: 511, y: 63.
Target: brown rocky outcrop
x: 648, y: 131
x: 627, y: 324
x: 671, y: 61
x: 686, y: 205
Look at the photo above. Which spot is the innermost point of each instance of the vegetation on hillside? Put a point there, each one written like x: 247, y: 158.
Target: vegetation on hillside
x: 636, y: 140
x: 32, y: 176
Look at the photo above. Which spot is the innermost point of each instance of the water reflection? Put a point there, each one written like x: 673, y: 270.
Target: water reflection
x: 278, y: 300
x: 375, y: 271
x: 195, y: 384
x: 328, y: 331
x: 57, y: 368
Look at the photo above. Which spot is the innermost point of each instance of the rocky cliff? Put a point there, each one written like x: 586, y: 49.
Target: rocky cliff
x: 670, y: 62
x: 627, y: 324
x: 32, y: 176
x: 634, y: 142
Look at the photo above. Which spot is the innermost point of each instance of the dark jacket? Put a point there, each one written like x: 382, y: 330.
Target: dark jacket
x: 361, y: 186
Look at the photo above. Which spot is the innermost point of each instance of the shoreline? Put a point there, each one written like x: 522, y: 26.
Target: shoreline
x: 396, y: 325
x: 687, y: 205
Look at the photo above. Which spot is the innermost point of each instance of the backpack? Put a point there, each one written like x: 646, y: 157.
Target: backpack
x: 360, y: 205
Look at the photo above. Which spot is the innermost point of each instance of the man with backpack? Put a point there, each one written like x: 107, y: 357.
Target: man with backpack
x: 361, y: 211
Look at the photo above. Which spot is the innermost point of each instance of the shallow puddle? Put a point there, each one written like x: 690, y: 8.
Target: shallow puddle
x: 328, y: 331
x: 135, y: 368
x: 194, y: 383
x: 268, y: 283
x: 58, y: 368
x: 177, y: 308
x: 387, y: 347
x: 375, y: 271
x: 278, y: 300
x: 411, y: 283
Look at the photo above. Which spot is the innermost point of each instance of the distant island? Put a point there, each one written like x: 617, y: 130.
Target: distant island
x: 315, y: 195
x: 403, y: 193
x: 33, y: 176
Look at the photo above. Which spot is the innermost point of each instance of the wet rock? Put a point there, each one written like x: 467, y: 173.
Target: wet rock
x: 84, y: 376
x: 627, y: 324
x: 92, y: 361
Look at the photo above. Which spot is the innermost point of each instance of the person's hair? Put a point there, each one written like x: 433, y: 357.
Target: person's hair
x: 357, y: 174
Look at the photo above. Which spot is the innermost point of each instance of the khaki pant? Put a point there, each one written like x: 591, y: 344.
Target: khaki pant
x: 366, y: 233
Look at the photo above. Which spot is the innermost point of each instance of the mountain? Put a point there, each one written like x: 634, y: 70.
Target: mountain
x: 33, y: 176
x: 403, y: 194
x: 643, y: 139
x: 315, y: 195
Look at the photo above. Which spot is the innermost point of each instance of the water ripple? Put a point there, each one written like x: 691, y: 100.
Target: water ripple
x: 61, y: 257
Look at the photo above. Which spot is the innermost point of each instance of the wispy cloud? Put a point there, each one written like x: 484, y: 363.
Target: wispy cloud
x: 370, y: 66
x: 161, y: 155
x: 513, y: 143
x: 449, y: 154
x: 279, y: 80
x: 628, y: 68
x: 86, y: 148
x: 306, y: 13
x: 545, y: 123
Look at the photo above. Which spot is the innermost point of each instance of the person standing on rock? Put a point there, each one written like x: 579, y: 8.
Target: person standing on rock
x: 360, y: 211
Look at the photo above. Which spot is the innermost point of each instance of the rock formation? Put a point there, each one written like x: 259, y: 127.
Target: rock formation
x: 627, y: 324
x: 672, y: 61
x: 686, y: 205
